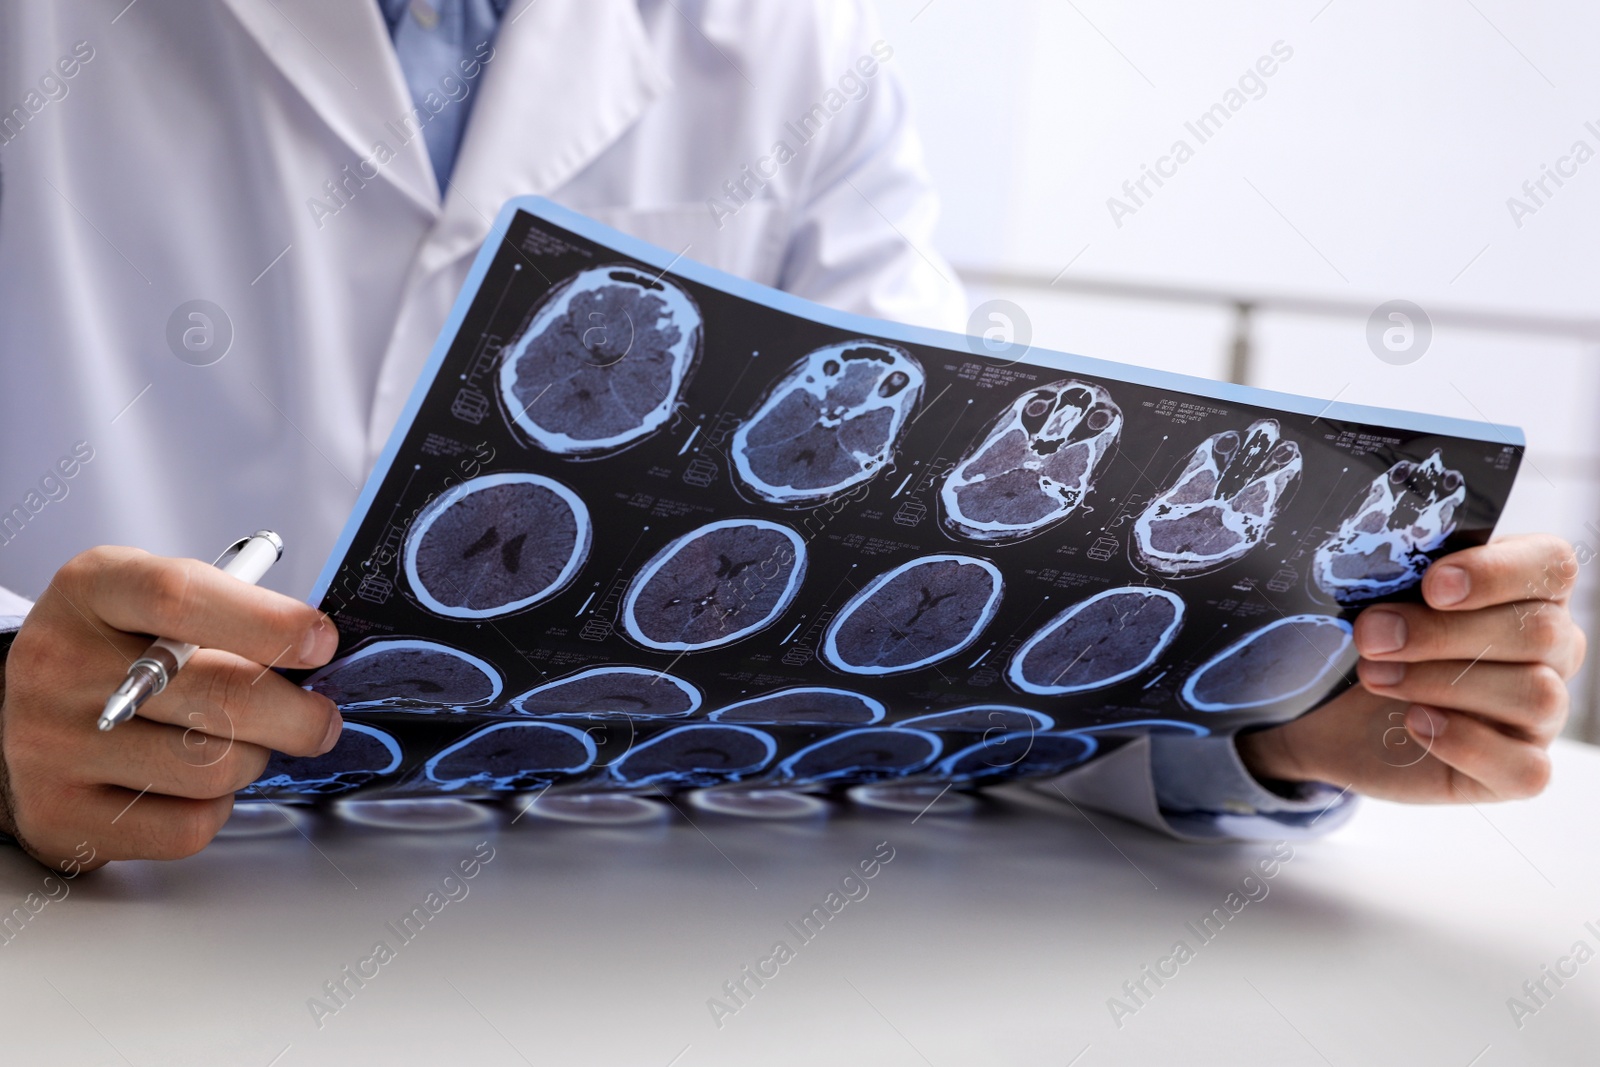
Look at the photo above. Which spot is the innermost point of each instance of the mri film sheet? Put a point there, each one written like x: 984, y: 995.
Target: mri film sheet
x: 644, y: 526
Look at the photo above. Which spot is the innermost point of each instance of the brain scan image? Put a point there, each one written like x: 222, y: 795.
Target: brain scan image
x: 1383, y: 545
x: 1282, y: 660
x: 984, y: 718
x: 829, y: 424
x: 407, y: 673
x: 696, y: 756
x: 915, y: 615
x: 865, y: 755
x: 1221, y: 506
x: 496, y: 544
x: 1108, y: 638
x: 804, y: 705
x: 1148, y: 726
x: 602, y: 363
x: 612, y: 693
x: 361, y: 754
x: 1035, y: 465
x: 1017, y: 755
x: 511, y: 756
x: 714, y: 585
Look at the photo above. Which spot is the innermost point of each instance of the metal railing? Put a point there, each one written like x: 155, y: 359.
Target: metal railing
x: 1486, y: 320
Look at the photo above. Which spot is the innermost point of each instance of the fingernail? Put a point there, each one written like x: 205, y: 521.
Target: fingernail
x: 1425, y: 722
x: 1379, y: 631
x: 1448, y: 584
x: 319, y: 644
x: 1382, y: 672
x: 335, y: 725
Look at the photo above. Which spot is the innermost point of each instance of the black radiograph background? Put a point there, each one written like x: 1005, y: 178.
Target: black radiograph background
x: 551, y: 711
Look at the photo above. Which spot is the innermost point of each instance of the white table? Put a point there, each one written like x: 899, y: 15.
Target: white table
x: 996, y: 937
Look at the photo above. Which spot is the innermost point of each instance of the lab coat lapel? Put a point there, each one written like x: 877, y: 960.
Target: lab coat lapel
x: 568, y: 78
x: 337, y: 54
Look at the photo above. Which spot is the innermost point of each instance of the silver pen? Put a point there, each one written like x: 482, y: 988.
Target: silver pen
x: 247, y: 559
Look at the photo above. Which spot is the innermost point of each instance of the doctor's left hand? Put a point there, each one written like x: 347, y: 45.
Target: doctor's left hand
x: 1460, y: 696
x: 161, y: 784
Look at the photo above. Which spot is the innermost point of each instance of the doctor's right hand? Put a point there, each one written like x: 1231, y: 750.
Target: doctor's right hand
x: 160, y: 785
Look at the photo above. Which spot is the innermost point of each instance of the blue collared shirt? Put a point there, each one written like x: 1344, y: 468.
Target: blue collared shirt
x: 440, y: 45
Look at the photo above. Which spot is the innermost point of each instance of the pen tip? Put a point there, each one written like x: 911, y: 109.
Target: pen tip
x: 115, y: 711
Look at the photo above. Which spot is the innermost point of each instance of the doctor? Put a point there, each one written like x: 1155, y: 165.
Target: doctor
x: 229, y: 233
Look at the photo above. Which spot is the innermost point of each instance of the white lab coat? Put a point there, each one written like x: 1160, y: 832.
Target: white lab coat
x: 184, y: 159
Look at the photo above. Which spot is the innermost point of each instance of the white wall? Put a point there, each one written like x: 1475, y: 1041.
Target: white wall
x: 1376, y: 164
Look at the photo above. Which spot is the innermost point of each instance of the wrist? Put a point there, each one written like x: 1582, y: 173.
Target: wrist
x: 1270, y: 757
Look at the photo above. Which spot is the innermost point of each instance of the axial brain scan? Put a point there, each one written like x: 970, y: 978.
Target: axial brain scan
x: 829, y: 424
x: 981, y: 718
x: 1222, y: 505
x: 612, y: 693
x: 1108, y: 638
x: 400, y: 673
x: 715, y: 585
x: 603, y: 361
x: 1035, y: 465
x: 496, y: 544
x: 811, y: 705
x: 363, y: 753
x: 702, y: 754
x: 1026, y: 754
x: 865, y: 755
x: 915, y: 615
x: 1276, y: 663
x: 1383, y: 545
x: 511, y: 756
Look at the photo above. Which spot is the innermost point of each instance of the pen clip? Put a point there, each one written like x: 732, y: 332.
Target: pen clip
x: 231, y: 551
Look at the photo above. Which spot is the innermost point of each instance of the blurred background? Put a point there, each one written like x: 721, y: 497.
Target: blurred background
x: 1384, y: 158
